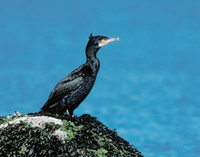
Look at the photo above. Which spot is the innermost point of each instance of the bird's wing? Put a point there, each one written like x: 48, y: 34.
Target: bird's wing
x: 65, y: 86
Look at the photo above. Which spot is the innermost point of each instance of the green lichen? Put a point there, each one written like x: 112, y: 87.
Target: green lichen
x: 102, y: 140
x: 10, y: 118
x: 99, y: 152
x: 51, y: 126
x: 27, y: 124
x: 70, y: 128
x: 107, y: 144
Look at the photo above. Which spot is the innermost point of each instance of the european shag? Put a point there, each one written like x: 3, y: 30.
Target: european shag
x: 74, y: 88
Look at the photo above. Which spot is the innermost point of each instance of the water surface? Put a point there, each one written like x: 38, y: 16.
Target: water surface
x: 148, y: 84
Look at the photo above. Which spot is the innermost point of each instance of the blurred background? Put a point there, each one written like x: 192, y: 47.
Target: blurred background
x: 148, y: 86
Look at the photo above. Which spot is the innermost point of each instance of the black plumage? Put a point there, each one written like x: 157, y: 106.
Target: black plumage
x: 74, y: 88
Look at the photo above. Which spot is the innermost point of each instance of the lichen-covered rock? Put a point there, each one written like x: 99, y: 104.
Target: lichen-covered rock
x: 40, y: 134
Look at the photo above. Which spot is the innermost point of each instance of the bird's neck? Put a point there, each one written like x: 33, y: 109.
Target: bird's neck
x: 92, y: 61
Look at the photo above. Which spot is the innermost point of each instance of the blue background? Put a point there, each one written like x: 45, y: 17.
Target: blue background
x: 148, y: 86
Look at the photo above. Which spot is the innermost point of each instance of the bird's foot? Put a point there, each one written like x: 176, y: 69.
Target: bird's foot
x: 67, y: 114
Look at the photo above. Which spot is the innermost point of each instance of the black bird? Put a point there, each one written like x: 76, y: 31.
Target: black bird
x: 74, y: 88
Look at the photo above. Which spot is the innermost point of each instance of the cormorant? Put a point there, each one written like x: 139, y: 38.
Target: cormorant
x: 73, y: 89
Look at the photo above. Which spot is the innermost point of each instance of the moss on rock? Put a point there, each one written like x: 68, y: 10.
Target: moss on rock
x: 81, y: 136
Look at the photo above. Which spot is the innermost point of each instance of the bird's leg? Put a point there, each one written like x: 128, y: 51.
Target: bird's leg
x: 71, y: 112
x: 66, y: 113
x: 66, y: 108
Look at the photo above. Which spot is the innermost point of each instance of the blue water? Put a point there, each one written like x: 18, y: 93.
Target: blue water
x: 148, y: 86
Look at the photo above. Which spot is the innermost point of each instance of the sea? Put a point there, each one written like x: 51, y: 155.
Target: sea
x: 148, y: 85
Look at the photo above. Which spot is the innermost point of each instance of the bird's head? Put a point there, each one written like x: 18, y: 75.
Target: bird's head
x: 96, y: 42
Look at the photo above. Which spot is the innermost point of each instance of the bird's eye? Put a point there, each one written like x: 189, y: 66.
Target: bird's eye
x: 96, y: 42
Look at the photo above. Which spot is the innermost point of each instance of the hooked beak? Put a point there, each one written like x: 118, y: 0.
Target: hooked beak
x: 106, y: 41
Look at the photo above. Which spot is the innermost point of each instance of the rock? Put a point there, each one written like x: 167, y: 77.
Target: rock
x: 39, y: 134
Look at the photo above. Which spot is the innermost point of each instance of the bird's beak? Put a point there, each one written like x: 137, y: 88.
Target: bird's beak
x: 106, y: 41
